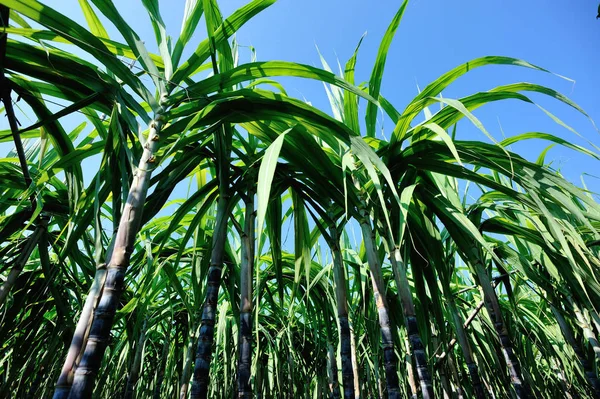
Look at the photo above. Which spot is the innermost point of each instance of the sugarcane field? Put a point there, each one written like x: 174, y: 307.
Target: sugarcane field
x: 299, y: 199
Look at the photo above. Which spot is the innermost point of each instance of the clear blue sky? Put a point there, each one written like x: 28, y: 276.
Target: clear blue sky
x: 434, y: 36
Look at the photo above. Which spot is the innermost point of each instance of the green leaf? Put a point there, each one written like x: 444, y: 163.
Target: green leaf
x: 257, y: 70
x: 377, y: 73
x: 78, y: 35
x: 161, y: 35
x: 227, y: 28
x: 191, y: 17
x: 93, y: 21
x: 137, y: 46
x: 266, y: 173
x: 350, y: 102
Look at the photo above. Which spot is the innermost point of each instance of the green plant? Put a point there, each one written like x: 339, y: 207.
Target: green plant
x: 392, y: 280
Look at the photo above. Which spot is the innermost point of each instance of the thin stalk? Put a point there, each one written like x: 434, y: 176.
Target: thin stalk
x: 461, y: 338
x: 459, y: 390
x: 261, y: 368
x: 561, y: 377
x: 367, y: 383
x: 586, y: 365
x: 21, y: 261
x: 583, y: 322
x: 466, y: 324
x: 342, y: 313
x: 290, y: 363
x: 332, y: 372
x: 134, y: 372
x: 162, y: 367
x: 5, y: 93
x: 184, y: 384
x: 246, y: 269
x: 85, y: 375
x: 412, y: 382
x: 380, y: 387
x: 354, y: 364
x: 378, y: 285
x: 446, y: 389
x: 493, y: 307
x: 412, y: 328
x: 12, y: 121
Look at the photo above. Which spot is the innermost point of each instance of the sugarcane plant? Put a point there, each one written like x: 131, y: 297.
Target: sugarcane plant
x: 201, y: 233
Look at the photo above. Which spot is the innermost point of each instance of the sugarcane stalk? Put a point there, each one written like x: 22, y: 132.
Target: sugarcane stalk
x: 134, y: 372
x: 162, y: 367
x: 21, y: 261
x: 332, y: 372
x: 5, y: 93
x: 378, y: 285
x: 184, y: 384
x: 129, y: 225
x: 356, y: 376
x: 465, y: 346
x: 222, y: 142
x: 583, y: 322
x: 587, y: 366
x: 200, y: 379
x: 493, y: 308
x: 342, y: 314
x: 412, y: 382
x: 246, y: 270
x: 80, y: 336
x: 204, y: 351
x: 412, y: 328
x: 82, y: 330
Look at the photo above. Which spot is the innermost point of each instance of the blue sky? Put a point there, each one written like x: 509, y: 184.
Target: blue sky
x: 433, y: 37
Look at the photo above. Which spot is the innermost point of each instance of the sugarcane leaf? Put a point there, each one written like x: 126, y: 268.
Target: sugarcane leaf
x: 227, y: 28
x: 161, y: 35
x: 266, y: 173
x: 93, y: 21
x: 377, y: 73
x: 75, y: 33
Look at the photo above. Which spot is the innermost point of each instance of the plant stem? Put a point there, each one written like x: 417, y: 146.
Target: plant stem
x: 356, y: 384
x: 586, y: 365
x: 412, y: 328
x: 21, y: 261
x: 342, y: 313
x: 207, y: 328
x: 134, y: 372
x: 332, y: 372
x: 162, y: 366
x: 246, y: 268
x: 378, y: 285
x: 5, y: 93
x: 63, y: 385
x: 493, y: 307
x: 129, y: 225
x: 187, y: 359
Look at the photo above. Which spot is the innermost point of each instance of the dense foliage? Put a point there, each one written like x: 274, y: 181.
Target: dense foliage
x: 203, y: 233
